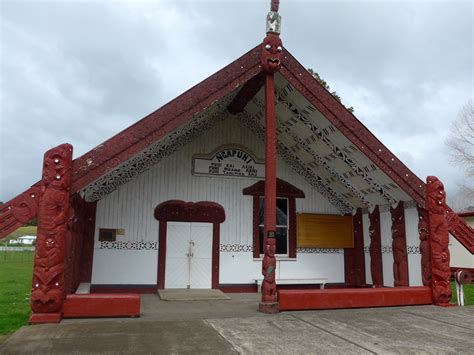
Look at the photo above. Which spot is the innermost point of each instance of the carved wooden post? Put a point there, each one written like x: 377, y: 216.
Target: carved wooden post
x: 53, y: 214
x: 439, y: 240
x: 399, y: 246
x: 271, y: 62
x: 376, y: 267
x: 354, y: 258
x: 423, y: 231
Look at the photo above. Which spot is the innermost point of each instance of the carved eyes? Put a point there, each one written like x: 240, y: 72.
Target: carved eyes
x: 268, y: 47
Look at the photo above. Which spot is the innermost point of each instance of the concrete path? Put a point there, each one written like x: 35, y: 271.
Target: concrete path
x: 234, y: 326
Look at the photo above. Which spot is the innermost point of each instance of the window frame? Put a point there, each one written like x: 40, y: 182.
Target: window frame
x: 287, y: 226
x: 284, y: 190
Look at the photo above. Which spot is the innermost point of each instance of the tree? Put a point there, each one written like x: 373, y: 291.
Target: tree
x: 328, y: 88
x: 461, y: 145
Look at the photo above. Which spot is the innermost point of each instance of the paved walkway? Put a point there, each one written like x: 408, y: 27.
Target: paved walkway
x: 234, y: 326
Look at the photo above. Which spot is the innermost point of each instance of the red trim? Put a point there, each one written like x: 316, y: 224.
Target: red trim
x: 291, y: 300
x: 121, y: 147
x: 142, y: 289
x: 216, y: 237
x: 351, y: 127
x: 42, y: 318
x: 180, y: 211
x: 354, y: 258
x: 248, y: 91
x: 101, y: 305
x: 466, y: 214
x: 156, y: 125
x: 283, y: 189
x: 162, y: 255
x: 87, y: 256
x: 19, y: 210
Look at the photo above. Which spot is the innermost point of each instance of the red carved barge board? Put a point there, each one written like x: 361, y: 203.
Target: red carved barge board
x: 292, y: 300
x: 101, y: 305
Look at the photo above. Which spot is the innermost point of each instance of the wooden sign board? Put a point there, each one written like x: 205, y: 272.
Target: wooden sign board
x: 324, y: 231
x: 229, y: 161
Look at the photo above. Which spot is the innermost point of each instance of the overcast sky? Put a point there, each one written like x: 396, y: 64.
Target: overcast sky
x: 81, y: 71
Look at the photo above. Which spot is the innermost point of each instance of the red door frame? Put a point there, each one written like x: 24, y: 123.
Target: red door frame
x: 180, y: 211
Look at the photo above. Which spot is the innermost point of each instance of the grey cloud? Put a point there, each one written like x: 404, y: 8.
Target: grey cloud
x: 80, y: 72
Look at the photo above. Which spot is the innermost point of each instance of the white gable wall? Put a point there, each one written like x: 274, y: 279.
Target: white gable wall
x: 132, y: 205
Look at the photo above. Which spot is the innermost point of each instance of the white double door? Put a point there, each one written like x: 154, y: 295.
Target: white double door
x: 188, y: 255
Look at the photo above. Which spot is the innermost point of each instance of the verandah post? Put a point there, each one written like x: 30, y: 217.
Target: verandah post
x: 53, y: 215
x: 271, y: 62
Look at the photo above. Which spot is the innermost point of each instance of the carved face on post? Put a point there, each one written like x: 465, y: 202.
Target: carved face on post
x: 270, y: 247
x: 271, y: 53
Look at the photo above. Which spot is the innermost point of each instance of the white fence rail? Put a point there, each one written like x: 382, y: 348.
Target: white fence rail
x: 17, y: 248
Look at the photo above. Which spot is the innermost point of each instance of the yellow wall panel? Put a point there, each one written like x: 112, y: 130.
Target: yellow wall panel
x: 324, y: 231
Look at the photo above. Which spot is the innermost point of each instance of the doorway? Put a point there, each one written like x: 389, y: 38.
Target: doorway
x: 188, y: 244
x: 189, y: 255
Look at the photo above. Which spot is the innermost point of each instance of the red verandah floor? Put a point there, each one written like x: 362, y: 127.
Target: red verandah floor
x: 292, y: 300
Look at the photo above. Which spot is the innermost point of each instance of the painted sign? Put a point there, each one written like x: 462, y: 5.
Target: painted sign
x: 233, y: 161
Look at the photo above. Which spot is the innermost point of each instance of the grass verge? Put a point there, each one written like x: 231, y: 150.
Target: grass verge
x: 468, y: 294
x: 16, y: 271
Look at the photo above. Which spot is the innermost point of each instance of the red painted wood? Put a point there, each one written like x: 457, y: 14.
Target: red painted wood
x: 351, y: 127
x: 353, y: 298
x: 148, y: 289
x: 180, y: 211
x: 424, y: 233
x: 283, y: 189
x: 216, y: 237
x: 19, y: 210
x: 137, y: 137
x: 102, y: 305
x: 269, y: 260
x: 162, y: 254
x: 248, y: 91
x: 439, y: 240
x: 52, y: 234
x: 79, y: 243
x: 43, y: 318
x: 399, y: 246
x: 354, y: 258
x: 376, y: 267
x: 88, y: 242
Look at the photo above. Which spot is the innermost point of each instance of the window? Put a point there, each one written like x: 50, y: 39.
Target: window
x: 286, y: 217
x: 107, y: 235
x: 281, y: 233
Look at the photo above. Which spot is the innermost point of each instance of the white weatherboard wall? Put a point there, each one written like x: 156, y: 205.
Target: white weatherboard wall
x: 387, y: 256
x: 131, y: 207
x: 366, y: 225
x: 460, y: 256
x: 413, y: 243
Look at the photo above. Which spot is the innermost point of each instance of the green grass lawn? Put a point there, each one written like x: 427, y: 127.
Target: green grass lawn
x: 468, y: 294
x: 16, y: 270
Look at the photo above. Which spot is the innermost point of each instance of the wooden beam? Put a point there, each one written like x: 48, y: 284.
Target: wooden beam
x: 248, y: 91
